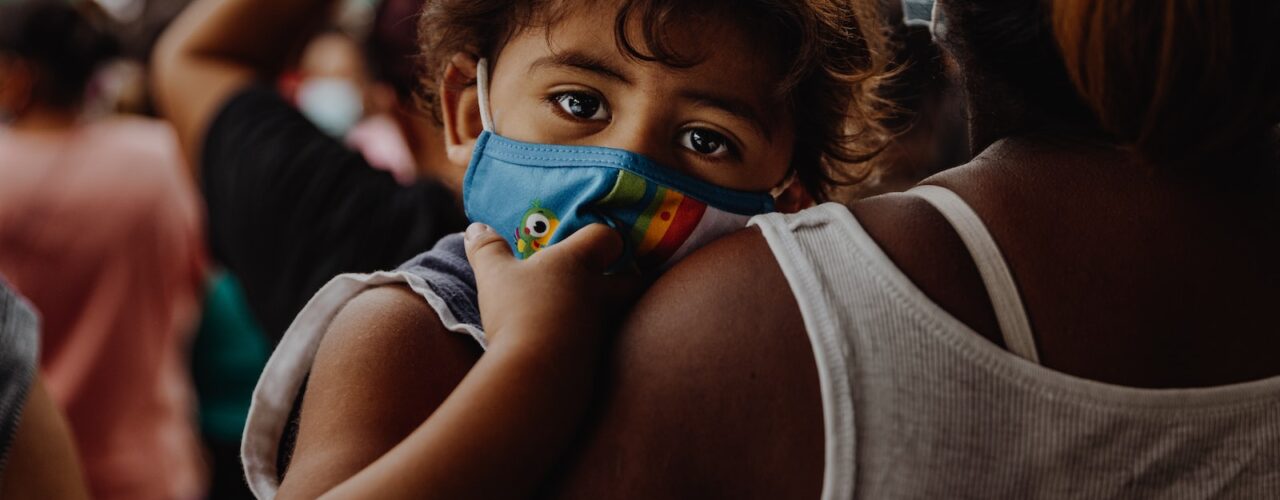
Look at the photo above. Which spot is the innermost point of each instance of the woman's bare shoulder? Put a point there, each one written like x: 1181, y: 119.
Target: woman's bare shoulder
x: 733, y: 282
x: 923, y: 245
x: 712, y: 387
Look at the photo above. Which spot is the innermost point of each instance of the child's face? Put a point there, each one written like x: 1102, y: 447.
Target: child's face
x: 717, y: 121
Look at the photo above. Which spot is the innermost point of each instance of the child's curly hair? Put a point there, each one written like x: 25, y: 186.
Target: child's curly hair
x: 835, y: 50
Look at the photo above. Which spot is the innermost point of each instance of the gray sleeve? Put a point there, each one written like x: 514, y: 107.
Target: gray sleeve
x: 447, y: 272
x: 19, y: 354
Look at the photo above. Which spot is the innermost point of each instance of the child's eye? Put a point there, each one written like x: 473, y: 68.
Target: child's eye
x: 705, y: 142
x: 582, y: 105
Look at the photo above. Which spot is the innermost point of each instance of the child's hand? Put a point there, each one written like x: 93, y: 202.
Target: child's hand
x: 557, y: 299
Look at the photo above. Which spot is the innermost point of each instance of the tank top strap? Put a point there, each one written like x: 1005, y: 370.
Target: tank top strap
x: 1005, y: 299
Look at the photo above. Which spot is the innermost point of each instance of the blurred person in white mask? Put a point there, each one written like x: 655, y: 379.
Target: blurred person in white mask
x: 333, y: 83
x: 337, y: 93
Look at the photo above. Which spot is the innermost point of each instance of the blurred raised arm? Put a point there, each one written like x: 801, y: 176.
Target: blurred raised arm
x: 217, y: 47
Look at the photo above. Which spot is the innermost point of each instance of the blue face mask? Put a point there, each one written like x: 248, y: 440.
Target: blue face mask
x: 539, y: 194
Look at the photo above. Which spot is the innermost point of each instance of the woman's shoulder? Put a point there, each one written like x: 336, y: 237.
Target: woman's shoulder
x: 734, y: 277
x: 712, y: 339
x: 741, y: 276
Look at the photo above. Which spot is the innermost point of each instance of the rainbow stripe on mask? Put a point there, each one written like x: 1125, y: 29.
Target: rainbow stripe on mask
x: 660, y: 219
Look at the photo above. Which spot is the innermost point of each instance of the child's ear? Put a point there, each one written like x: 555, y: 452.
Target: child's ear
x: 794, y: 199
x: 460, y: 109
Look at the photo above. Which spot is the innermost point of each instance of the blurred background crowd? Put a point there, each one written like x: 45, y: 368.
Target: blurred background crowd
x: 151, y: 341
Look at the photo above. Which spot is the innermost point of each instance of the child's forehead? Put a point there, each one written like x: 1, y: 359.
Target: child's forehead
x: 698, y: 43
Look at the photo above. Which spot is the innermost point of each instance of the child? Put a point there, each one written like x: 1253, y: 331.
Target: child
x: 672, y: 122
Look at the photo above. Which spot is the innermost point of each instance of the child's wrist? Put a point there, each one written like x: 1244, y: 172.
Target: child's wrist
x: 536, y: 345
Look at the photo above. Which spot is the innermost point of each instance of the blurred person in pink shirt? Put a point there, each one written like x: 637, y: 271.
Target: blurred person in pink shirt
x: 101, y: 230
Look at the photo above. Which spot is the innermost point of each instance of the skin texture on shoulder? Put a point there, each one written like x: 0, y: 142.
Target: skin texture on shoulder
x: 712, y: 389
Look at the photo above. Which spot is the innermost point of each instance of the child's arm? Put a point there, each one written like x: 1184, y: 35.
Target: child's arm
x: 515, y: 412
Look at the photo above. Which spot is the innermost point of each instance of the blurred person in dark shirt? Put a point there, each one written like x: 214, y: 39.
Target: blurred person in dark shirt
x: 101, y: 231
x: 333, y: 86
x: 289, y: 207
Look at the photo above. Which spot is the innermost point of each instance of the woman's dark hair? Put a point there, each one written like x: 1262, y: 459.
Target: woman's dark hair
x: 1179, y: 80
x: 1010, y: 43
x: 60, y: 42
x: 831, y: 54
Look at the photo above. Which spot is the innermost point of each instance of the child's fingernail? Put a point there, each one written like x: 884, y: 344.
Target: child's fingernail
x: 474, y: 231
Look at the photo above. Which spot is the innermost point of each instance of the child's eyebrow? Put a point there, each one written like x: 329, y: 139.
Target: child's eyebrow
x: 736, y: 107
x: 585, y: 62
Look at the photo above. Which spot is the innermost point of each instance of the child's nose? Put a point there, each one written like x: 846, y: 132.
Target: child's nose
x: 647, y: 139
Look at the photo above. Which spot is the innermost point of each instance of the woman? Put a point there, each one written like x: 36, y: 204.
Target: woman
x: 884, y: 350
x: 1137, y: 217
x: 99, y: 229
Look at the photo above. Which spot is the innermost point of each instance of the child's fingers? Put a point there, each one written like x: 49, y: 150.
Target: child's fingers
x: 485, y: 248
x: 594, y: 248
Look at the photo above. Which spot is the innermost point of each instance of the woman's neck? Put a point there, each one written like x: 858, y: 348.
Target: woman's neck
x: 997, y: 111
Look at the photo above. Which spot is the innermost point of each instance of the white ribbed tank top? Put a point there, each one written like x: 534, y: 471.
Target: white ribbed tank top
x: 917, y: 405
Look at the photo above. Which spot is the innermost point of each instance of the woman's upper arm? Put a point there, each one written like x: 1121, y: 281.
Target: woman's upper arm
x: 384, y: 366
x: 712, y: 388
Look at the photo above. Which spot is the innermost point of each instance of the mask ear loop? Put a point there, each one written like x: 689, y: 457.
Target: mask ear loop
x: 914, y: 14
x: 482, y: 94
x: 784, y: 185
x: 937, y: 25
